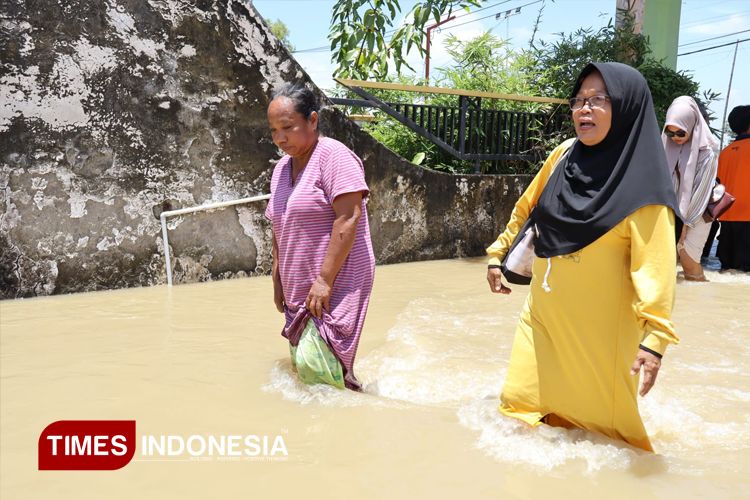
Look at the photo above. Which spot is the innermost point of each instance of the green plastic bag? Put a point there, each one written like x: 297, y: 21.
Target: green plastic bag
x: 314, y: 361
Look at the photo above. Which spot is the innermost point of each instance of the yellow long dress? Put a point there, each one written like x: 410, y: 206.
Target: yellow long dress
x: 575, y: 345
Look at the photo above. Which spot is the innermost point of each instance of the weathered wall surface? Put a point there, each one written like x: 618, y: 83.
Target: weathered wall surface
x: 112, y: 111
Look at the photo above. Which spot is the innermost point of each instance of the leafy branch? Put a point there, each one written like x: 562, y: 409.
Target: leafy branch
x: 360, y: 31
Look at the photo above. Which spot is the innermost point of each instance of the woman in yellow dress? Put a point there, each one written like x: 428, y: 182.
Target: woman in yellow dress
x: 603, y: 280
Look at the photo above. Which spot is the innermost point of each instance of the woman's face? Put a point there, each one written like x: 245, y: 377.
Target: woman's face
x: 291, y: 131
x: 593, y: 124
x: 678, y: 140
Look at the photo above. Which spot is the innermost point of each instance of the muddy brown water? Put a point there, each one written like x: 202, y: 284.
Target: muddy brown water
x: 207, y: 359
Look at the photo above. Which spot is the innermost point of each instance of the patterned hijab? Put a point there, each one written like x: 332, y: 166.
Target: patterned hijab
x: 684, y: 114
x: 596, y: 187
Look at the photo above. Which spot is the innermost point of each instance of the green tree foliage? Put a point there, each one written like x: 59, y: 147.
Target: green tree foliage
x: 557, y: 64
x: 364, y: 41
x: 487, y: 64
x: 483, y: 64
x: 667, y: 84
x: 282, y: 33
x: 560, y: 62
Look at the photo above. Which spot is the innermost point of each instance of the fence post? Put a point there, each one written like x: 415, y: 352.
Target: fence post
x: 478, y: 147
x: 464, y: 105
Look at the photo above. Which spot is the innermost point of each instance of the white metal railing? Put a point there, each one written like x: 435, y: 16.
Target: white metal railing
x: 209, y: 206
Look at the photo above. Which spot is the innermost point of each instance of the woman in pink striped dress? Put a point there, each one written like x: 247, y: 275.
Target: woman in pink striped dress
x: 323, y: 263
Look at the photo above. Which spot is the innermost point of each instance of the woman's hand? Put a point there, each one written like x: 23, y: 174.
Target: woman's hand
x: 348, y: 210
x: 651, y: 365
x: 278, y: 294
x: 682, y: 236
x: 494, y: 277
x: 318, y: 298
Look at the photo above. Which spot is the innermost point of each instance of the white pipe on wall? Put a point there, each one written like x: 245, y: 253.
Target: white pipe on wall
x: 182, y: 211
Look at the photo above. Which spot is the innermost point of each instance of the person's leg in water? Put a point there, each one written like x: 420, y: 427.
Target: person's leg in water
x: 693, y: 271
x: 710, y: 241
x: 690, y: 247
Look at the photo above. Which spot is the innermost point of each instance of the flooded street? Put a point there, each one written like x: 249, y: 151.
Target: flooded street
x: 208, y: 359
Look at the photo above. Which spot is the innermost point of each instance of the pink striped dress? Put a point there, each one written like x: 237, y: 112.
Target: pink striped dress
x: 302, y: 216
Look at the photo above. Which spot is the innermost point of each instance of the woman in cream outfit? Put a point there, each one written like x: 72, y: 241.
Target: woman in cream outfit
x: 693, y: 158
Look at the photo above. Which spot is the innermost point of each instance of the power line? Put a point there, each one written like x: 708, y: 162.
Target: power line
x: 487, y: 17
x: 715, y: 57
x: 316, y: 49
x: 703, y: 21
x: 473, y: 12
x: 714, y: 38
x: 714, y: 47
x: 325, y: 48
x: 472, y: 21
x: 483, y: 8
x: 713, y: 4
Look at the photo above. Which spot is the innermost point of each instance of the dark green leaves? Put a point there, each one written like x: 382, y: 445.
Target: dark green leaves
x: 364, y: 40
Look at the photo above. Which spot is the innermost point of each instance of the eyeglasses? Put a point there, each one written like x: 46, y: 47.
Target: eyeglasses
x: 679, y: 133
x: 595, y: 101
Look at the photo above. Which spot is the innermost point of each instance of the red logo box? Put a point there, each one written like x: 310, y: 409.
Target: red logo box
x: 87, y: 445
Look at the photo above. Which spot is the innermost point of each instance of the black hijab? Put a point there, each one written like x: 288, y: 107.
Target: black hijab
x: 596, y: 187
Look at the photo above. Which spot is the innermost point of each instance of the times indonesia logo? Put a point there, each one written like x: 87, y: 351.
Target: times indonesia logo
x: 111, y: 444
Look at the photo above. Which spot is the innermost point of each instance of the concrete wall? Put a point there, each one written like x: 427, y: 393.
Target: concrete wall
x: 113, y: 111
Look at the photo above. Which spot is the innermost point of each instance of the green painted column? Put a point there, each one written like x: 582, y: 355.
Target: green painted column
x: 661, y: 23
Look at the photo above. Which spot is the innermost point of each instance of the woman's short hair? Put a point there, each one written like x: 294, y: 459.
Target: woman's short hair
x: 739, y: 119
x: 302, y: 98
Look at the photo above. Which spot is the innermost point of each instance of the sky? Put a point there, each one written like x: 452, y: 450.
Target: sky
x: 309, y: 20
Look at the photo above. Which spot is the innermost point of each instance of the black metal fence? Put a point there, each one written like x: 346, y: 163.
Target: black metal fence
x: 485, y: 134
x: 469, y: 132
